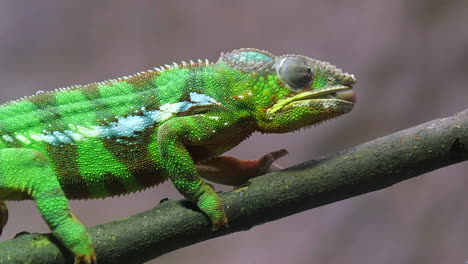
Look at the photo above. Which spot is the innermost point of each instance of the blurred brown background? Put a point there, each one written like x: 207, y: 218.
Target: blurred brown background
x: 411, y: 61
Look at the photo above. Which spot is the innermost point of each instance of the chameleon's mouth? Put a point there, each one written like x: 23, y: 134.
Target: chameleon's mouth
x: 343, y: 94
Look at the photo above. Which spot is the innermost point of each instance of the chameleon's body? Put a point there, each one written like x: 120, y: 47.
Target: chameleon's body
x: 124, y: 135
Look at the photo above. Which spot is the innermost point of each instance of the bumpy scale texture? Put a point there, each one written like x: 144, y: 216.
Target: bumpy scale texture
x: 127, y: 134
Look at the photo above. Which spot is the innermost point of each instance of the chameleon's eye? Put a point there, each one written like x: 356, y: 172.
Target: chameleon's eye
x: 295, y: 73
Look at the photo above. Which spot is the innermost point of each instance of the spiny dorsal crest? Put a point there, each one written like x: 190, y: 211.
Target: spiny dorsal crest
x: 182, y: 65
x: 141, y: 74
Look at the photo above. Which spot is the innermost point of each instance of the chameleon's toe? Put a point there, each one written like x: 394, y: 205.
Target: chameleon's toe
x: 221, y: 222
x: 211, y: 205
x: 86, y: 259
x: 216, y: 227
x: 267, y: 160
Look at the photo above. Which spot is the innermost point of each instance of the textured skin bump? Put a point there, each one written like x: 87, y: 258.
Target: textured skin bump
x: 170, y: 123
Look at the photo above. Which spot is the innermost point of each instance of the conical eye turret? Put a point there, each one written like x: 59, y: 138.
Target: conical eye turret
x: 296, y: 73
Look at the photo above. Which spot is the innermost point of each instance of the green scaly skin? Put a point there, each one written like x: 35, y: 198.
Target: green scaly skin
x: 124, y: 135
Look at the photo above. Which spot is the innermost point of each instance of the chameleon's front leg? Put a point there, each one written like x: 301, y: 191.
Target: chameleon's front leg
x: 29, y: 172
x: 171, y: 138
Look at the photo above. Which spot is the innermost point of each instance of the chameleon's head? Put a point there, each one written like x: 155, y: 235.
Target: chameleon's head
x: 294, y: 91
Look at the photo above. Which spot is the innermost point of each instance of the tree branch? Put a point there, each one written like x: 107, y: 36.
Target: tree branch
x: 176, y: 224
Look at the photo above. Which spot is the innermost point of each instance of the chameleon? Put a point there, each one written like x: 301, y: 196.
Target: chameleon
x: 170, y: 123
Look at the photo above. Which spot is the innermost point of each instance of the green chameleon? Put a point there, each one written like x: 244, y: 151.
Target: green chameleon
x: 127, y: 134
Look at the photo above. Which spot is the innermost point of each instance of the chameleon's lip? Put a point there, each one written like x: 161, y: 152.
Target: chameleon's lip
x: 343, y: 93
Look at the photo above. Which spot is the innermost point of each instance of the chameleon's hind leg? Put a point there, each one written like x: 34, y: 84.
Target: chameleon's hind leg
x: 232, y: 171
x: 27, y: 173
x: 3, y: 215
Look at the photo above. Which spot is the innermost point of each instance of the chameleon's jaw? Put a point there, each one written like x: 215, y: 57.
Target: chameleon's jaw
x: 307, y: 108
x: 342, y: 95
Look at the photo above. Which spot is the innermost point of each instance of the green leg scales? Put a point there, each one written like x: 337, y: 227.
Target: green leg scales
x: 26, y: 173
x: 172, y: 139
